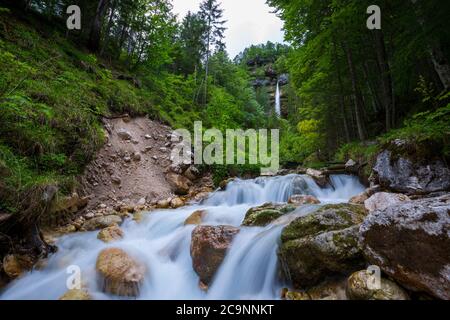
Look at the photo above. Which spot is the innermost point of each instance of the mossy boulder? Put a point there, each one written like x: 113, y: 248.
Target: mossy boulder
x: 321, y: 244
x: 263, y: 215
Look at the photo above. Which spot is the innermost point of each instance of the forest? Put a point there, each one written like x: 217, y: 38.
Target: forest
x: 346, y: 95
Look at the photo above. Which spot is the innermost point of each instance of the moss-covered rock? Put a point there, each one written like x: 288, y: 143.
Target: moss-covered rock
x: 265, y: 214
x: 321, y: 244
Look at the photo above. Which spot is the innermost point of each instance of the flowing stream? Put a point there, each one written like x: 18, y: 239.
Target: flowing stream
x: 162, y: 242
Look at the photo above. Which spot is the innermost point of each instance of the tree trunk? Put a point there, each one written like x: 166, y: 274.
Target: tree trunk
x: 439, y: 60
x: 96, y: 29
x: 386, y: 79
x: 108, y: 27
x: 357, y: 99
x: 341, y: 96
x: 441, y: 64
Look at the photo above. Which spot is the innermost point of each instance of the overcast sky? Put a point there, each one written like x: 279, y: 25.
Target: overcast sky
x: 249, y: 22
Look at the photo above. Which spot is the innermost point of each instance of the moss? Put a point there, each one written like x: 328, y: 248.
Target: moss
x: 327, y: 218
x: 265, y: 214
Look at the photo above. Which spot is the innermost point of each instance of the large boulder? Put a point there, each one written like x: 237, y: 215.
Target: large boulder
x: 323, y: 243
x: 401, y: 168
x: 119, y: 273
x: 263, y: 215
x: 101, y: 222
x: 410, y: 242
x: 382, y: 200
x: 179, y: 184
x: 208, y: 249
x: 361, y: 285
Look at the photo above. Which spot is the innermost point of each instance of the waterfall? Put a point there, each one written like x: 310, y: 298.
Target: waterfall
x: 162, y: 242
x: 278, y: 100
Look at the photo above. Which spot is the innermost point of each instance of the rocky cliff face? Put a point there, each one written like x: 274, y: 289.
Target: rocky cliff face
x: 268, y: 79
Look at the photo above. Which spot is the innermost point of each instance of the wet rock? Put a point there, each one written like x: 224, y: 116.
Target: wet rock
x: 408, y: 173
x: 300, y: 186
x: 362, y: 197
x: 323, y: 243
x: 265, y: 214
x: 110, y: 234
x: 328, y: 290
x: 319, y: 177
x: 101, y: 222
x: 176, y: 203
x: 120, y: 274
x: 362, y: 285
x: 179, y: 184
x: 223, y: 184
x: 410, y: 242
x: 124, y: 134
x: 76, y: 294
x: 15, y: 265
x: 303, y: 199
x: 208, y: 249
x: 163, y: 204
x: 195, y: 218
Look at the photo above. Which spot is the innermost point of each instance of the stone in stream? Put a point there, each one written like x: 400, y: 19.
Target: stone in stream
x: 110, y: 234
x: 195, y: 218
x: 119, y: 273
x: 322, y: 243
x: 361, y: 285
x: 15, y: 265
x: 76, y: 294
x: 176, y: 203
x: 410, y: 242
x: 303, y: 199
x: 263, y: 215
x: 209, y: 246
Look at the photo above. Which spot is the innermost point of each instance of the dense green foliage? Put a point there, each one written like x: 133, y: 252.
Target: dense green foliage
x: 356, y: 83
x: 54, y: 91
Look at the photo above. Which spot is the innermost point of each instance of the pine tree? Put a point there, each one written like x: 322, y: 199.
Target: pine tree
x: 212, y: 14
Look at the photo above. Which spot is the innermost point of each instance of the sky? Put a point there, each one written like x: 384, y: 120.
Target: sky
x: 248, y: 22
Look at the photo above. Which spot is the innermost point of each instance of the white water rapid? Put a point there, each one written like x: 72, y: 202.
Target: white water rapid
x: 162, y: 243
x: 278, y: 100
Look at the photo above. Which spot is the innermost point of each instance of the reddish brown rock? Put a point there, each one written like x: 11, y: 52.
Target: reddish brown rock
x: 208, y: 249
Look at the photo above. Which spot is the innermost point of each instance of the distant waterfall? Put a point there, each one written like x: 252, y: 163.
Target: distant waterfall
x: 278, y: 100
